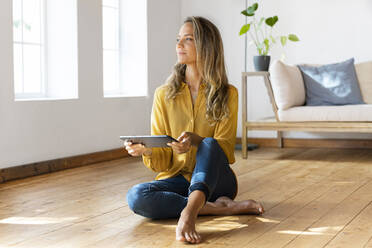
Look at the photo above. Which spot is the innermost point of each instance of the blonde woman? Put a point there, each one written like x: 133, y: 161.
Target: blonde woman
x: 198, y: 106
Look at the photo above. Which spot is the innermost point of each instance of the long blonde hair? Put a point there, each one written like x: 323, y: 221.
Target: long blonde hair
x: 211, y: 66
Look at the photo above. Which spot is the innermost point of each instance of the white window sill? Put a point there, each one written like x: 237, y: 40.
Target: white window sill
x: 43, y: 99
x: 122, y: 96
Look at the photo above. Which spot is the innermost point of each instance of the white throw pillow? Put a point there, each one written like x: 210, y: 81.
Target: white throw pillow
x: 287, y: 84
x: 364, y: 74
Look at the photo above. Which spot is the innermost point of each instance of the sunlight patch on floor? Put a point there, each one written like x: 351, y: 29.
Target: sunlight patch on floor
x: 35, y: 220
x: 326, y: 230
x: 225, y: 223
x: 266, y: 220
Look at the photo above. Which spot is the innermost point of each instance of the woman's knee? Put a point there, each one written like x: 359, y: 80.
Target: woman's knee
x: 210, y: 141
x: 135, y: 197
x: 140, y: 200
x: 211, y: 148
x: 209, y: 144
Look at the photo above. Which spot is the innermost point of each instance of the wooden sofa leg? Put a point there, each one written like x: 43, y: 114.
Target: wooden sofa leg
x: 279, y: 135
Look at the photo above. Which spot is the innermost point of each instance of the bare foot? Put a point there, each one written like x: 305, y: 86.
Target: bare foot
x: 185, y: 230
x: 241, y: 207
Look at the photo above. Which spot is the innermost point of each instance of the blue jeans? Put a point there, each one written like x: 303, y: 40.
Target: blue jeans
x: 167, y: 198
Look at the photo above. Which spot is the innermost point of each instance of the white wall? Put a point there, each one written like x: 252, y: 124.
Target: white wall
x: 61, y: 36
x: 41, y: 130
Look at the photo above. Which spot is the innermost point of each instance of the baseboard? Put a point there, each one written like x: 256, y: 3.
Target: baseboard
x: 312, y: 143
x: 34, y: 169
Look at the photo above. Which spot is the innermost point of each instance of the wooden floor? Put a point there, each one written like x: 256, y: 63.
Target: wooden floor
x: 312, y: 197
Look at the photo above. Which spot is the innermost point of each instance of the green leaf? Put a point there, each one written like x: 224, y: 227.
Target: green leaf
x: 245, y: 29
x: 250, y: 10
x: 267, y: 45
x: 293, y: 37
x: 272, y: 39
x: 244, y: 12
x: 271, y: 21
x: 283, y: 40
x: 276, y: 19
x: 259, y: 51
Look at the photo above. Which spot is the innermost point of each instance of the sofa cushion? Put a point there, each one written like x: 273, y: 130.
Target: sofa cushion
x: 332, y: 84
x: 287, y: 85
x: 364, y: 74
x: 356, y: 112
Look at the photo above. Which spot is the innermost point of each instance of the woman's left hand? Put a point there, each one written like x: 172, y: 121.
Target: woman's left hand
x: 185, y: 141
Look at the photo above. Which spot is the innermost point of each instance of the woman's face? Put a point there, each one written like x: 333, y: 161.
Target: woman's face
x: 186, y: 51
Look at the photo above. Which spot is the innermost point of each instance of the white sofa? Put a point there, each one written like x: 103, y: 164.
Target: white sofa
x: 287, y: 94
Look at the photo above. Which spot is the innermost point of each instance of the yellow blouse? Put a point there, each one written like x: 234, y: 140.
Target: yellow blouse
x: 172, y: 117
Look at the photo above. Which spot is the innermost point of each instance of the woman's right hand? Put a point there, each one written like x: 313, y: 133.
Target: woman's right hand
x: 137, y: 149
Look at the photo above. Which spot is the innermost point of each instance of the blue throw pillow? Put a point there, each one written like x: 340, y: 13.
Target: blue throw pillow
x: 333, y: 84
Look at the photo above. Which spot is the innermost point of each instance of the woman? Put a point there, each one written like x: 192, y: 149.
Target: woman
x: 198, y: 106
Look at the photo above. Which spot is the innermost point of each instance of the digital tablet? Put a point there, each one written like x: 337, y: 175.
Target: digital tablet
x: 150, y: 141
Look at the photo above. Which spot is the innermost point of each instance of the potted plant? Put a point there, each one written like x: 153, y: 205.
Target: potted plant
x: 262, y: 38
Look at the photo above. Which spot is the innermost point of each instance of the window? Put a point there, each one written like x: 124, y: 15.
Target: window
x: 124, y: 33
x: 45, y: 49
x: 29, y: 48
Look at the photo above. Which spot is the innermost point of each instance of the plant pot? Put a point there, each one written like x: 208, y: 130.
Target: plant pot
x: 261, y: 62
